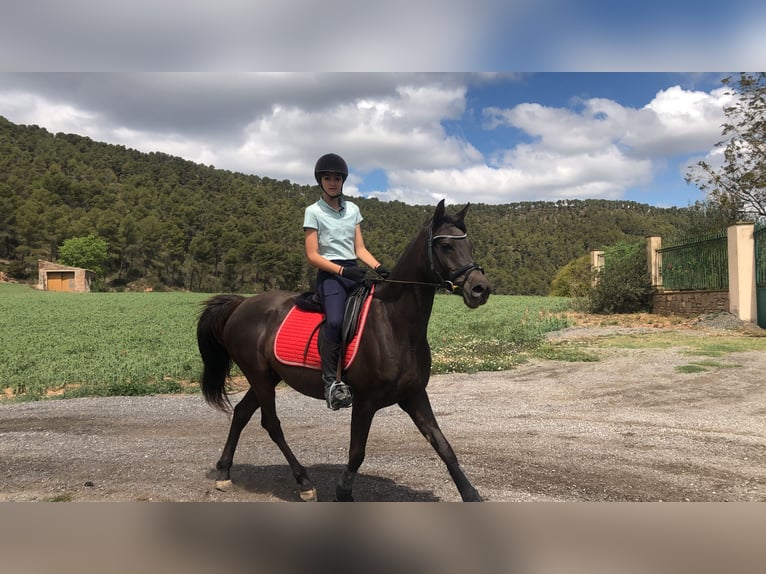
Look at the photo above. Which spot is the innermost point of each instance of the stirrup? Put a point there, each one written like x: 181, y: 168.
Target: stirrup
x: 338, y: 396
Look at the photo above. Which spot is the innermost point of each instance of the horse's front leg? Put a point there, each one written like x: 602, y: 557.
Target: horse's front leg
x: 418, y: 407
x: 361, y: 420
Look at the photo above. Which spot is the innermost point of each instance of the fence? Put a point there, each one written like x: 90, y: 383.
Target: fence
x: 701, y: 264
x: 711, y: 274
x: 724, y: 272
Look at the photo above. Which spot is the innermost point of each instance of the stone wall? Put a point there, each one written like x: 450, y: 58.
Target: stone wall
x: 689, y: 303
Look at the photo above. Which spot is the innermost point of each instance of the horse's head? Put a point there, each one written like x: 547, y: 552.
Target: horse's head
x: 451, y: 257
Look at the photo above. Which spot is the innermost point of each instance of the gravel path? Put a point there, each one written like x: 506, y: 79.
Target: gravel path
x: 626, y: 428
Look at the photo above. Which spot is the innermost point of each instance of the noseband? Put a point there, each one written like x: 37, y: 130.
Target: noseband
x: 449, y: 283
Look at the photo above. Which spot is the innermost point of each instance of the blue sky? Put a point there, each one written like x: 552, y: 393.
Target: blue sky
x: 481, y: 137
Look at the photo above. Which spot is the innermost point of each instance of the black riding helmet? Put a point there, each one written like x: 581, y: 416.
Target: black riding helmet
x: 330, y: 163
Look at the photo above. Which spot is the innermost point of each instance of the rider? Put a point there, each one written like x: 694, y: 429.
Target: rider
x: 333, y: 241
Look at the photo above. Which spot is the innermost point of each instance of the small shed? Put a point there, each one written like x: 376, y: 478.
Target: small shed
x: 55, y: 277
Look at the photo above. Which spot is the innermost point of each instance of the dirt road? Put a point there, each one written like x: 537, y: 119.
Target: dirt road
x: 626, y: 428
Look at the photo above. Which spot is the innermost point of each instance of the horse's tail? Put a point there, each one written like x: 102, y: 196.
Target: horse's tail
x: 215, y: 357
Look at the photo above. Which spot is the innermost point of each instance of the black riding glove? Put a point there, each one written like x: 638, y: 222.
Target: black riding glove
x: 354, y: 273
x: 383, y: 271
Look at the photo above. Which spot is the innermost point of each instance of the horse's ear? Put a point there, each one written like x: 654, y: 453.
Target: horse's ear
x: 461, y: 214
x: 438, y: 214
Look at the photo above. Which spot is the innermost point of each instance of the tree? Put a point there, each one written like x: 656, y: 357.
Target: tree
x: 90, y: 252
x: 740, y: 182
x: 705, y: 218
x: 574, y: 279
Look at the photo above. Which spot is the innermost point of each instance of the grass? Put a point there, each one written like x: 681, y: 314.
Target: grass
x: 494, y: 337
x: 701, y: 366
x: 99, y: 344
x: 713, y: 346
x: 716, y: 345
x: 571, y: 352
x: 96, y: 344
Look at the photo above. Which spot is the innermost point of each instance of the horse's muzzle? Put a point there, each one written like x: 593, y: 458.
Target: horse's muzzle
x: 476, y: 290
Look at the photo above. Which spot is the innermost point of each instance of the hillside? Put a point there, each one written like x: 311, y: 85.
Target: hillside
x: 179, y: 225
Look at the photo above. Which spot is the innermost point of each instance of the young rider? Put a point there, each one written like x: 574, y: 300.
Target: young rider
x: 333, y: 242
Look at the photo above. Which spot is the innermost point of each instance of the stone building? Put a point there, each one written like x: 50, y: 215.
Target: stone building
x: 55, y: 277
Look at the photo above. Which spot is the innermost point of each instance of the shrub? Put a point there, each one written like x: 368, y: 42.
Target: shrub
x: 624, y: 284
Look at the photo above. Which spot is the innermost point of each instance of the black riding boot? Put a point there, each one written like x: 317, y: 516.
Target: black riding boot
x: 336, y: 393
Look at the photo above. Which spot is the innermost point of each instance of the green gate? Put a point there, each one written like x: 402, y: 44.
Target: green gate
x: 759, y: 236
x: 702, y: 263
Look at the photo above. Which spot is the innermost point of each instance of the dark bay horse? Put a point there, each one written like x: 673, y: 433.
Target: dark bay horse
x: 392, y: 364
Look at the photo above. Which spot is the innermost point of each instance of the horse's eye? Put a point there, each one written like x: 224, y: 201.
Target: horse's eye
x: 446, y: 247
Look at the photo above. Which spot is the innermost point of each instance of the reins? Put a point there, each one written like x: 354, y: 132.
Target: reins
x: 382, y: 280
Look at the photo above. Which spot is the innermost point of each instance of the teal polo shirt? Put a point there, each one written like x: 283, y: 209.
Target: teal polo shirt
x: 335, y: 229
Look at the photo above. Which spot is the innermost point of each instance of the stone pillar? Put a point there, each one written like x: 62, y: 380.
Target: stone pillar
x: 596, y: 265
x: 654, y: 259
x: 741, y: 251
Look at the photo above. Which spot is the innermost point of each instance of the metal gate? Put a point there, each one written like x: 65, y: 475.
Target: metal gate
x: 699, y: 264
x: 759, y: 237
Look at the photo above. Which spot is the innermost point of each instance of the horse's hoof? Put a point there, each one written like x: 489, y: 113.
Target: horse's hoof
x: 309, y: 495
x: 223, y: 485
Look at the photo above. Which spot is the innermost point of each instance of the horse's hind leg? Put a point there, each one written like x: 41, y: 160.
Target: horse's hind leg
x: 271, y: 424
x: 242, y: 414
x: 419, y: 409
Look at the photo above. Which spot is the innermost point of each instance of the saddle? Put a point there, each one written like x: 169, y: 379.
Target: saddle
x: 296, y: 341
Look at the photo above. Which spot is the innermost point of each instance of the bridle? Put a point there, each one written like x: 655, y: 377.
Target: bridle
x: 448, y: 283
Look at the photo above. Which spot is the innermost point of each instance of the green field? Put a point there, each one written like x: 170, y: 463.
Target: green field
x: 99, y: 344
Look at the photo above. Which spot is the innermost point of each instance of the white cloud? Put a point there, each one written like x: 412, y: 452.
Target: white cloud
x: 530, y: 174
x: 401, y: 129
x: 564, y: 130
x: 676, y: 121
x: 30, y: 109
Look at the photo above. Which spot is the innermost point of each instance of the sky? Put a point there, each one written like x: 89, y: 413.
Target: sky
x: 593, y: 107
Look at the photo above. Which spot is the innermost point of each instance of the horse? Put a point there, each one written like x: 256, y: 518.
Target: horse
x: 393, y: 358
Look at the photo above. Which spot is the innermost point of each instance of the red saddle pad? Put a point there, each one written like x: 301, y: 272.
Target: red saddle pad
x: 292, y: 345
